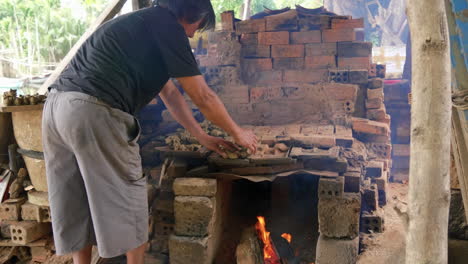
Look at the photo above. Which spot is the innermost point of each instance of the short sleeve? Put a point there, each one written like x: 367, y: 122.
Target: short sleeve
x: 175, y: 50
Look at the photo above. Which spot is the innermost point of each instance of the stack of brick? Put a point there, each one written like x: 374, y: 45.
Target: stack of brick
x: 338, y: 215
x: 288, y: 67
x: 399, y: 108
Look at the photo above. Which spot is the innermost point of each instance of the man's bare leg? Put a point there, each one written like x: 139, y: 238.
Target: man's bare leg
x: 83, y: 256
x: 137, y: 255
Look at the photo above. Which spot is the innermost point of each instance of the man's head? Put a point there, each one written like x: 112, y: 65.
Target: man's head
x: 193, y: 15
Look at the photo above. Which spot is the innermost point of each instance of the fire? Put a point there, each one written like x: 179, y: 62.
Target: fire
x: 287, y: 236
x: 269, y: 253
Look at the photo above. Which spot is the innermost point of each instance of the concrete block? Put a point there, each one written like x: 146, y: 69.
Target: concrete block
x: 194, y: 215
x: 339, y: 216
x: 370, y: 198
x: 373, y: 223
x: 185, y: 250
x: 27, y: 231
x: 195, y: 187
x: 338, y: 76
x: 337, y: 251
x: 329, y: 187
x: 35, y: 213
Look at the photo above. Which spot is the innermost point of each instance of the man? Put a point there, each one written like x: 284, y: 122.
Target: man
x: 97, y: 192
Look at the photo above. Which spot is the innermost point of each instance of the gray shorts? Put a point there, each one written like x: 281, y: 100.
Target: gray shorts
x: 97, y: 190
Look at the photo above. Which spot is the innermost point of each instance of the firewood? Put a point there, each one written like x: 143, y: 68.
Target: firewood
x: 248, y: 250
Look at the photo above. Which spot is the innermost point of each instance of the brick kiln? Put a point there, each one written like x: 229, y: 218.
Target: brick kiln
x: 299, y: 78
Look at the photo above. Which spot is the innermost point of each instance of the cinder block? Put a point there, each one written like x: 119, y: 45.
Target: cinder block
x: 27, y: 231
x: 338, y: 35
x: 310, y: 75
x: 250, y: 26
x: 316, y: 22
x: 334, y: 251
x: 249, y: 39
x: 287, y: 51
x: 354, y: 49
x: 35, y: 213
x: 370, y: 198
x: 288, y: 63
x: 11, y: 210
x: 352, y: 182
x: 184, y: 250
x: 195, y: 187
x: 273, y: 38
x: 347, y: 23
x: 373, y: 223
x: 284, y: 21
x: 331, y: 187
x: 374, y: 169
x: 193, y: 215
x: 306, y: 37
x: 339, y: 216
x: 256, y: 51
x: 354, y: 62
x: 321, y: 49
x: 358, y: 76
x: 338, y: 76
x: 321, y: 61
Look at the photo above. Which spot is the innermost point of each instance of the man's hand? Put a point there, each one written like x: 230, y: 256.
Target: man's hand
x: 217, y: 144
x: 246, y: 139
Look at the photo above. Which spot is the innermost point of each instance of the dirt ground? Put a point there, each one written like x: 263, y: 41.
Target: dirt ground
x: 389, y: 246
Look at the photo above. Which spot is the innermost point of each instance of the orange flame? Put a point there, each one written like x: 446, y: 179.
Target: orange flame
x: 269, y: 254
x: 287, y: 236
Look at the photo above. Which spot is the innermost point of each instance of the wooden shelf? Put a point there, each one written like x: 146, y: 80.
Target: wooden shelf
x: 21, y: 108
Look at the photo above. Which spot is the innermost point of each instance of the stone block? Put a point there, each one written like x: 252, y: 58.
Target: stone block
x: 288, y: 63
x: 256, y: 51
x: 347, y: 23
x: 194, y: 215
x: 11, y: 210
x: 320, y: 49
x: 374, y: 169
x: 35, y: 213
x: 287, y: 51
x: 184, y: 250
x: 339, y: 216
x: 195, y: 187
x: 305, y: 37
x: 320, y: 61
x: 373, y: 223
x: 283, y: 21
x: 358, y: 76
x: 334, y: 251
x: 354, y: 49
x: 338, y: 35
x: 250, y: 26
x: 331, y: 187
x: 27, y: 231
x: 352, y: 182
x: 273, y: 38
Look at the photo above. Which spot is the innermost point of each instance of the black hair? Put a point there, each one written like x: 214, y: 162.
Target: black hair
x: 191, y: 11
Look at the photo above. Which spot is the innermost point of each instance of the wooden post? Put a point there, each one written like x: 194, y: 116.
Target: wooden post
x: 246, y: 14
x: 111, y: 10
x: 429, y: 190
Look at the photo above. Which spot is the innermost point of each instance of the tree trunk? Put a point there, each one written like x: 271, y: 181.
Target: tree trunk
x: 429, y: 190
x: 247, y: 9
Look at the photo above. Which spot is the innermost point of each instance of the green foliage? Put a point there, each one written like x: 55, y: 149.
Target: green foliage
x: 43, y: 31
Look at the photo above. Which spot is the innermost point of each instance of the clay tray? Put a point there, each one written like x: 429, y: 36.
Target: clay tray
x: 166, y: 151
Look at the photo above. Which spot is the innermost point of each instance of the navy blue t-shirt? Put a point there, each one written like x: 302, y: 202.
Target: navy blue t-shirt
x: 127, y: 61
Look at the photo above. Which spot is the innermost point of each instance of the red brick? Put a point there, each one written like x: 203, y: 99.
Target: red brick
x: 273, y: 38
x: 375, y: 103
x: 249, y: 39
x: 287, y: 51
x: 320, y: 61
x: 337, y: 35
x: 354, y: 49
x: 377, y: 114
x: 316, y: 22
x: 347, y: 23
x: 250, y: 26
x: 284, y: 21
x: 319, y: 49
x: 304, y: 37
x: 256, y: 51
x: 264, y: 93
x: 370, y: 127
x: 354, y: 63
x: 267, y: 77
x: 260, y: 64
x: 375, y: 93
x: 341, y: 91
x: 227, y: 20
x: 305, y: 75
x: 238, y: 94
x: 288, y: 63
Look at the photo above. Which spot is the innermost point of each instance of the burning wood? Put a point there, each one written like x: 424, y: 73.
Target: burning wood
x: 270, y: 255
